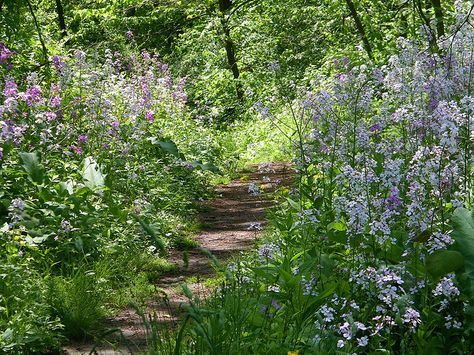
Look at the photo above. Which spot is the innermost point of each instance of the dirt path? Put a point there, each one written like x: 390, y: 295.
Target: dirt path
x: 231, y: 224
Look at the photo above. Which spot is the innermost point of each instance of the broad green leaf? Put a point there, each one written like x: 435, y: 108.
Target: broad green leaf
x: 67, y: 186
x: 168, y: 146
x: 206, y: 166
x: 92, y: 175
x: 463, y: 234
x: 79, y: 244
x: 443, y: 262
x: 32, y: 165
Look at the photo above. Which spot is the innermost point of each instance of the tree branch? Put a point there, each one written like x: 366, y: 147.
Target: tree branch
x: 360, y: 28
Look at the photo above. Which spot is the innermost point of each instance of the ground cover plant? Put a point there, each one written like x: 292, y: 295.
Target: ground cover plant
x: 89, y: 171
x: 371, y: 252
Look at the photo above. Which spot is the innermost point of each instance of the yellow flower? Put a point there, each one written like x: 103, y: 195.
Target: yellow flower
x: 294, y: 352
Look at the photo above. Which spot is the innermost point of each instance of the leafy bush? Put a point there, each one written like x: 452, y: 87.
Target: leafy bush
x: 26, y: 323
x: 102, y: 161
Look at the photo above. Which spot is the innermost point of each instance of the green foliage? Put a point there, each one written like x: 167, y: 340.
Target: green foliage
x: 443, y: 262
x: 111, y: 156
x: 32, y: 166
x: 26, y: 320
x: 151, y: 232
x: 79, y: 300
x: 463, y: 234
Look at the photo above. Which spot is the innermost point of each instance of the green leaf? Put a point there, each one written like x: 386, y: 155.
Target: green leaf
x: 151, y: 231
x: 463, y: 234
x: 339, y: 226
x: 443, y: 262
x: 296, y: 256
x: 31, y: 164
x: 79, y: 244
x: 168, y: 146
x: 67, y: 186
x: 207, y: 166
x: 92, y: 175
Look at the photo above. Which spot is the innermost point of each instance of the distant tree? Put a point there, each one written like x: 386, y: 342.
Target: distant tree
x: 225, y: 7
x: 438, y: 10
x: 61, y: 20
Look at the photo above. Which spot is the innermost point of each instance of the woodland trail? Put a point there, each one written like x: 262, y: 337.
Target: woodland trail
x: 231, y: 224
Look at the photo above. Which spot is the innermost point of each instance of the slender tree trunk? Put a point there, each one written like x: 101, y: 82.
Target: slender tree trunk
x: 224, y: 7
x: 360, y: 28
x: 438, y: 10
x: 38, y: 29
x: 62, y: 22
x: 432, y: 40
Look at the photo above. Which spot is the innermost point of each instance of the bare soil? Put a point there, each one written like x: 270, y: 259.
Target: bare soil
x: 231, y: 224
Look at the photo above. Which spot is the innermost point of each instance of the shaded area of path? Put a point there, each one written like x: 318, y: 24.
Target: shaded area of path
x: 230, y: 224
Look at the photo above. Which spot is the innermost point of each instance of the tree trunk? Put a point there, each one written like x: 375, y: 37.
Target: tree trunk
x: 40, y: 35
x: 432, y: 36
x: 62, y: 22
x: 360, y: 28
x: 224, y: 7
x: 438, y: 10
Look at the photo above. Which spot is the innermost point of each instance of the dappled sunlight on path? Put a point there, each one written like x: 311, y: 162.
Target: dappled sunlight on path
x: 230, y: 224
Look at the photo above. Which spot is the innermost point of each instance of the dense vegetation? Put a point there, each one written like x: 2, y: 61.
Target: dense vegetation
x: 116, y: 117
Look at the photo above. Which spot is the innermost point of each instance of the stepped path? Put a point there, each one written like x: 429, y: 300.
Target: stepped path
x: 230, y: 224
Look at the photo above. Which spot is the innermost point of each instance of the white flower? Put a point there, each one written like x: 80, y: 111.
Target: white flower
x: 363, y: 341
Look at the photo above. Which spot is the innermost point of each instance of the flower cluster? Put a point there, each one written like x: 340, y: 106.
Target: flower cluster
x: 393, y: 151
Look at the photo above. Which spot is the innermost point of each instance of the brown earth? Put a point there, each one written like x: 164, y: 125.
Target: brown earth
x: 231, y: 224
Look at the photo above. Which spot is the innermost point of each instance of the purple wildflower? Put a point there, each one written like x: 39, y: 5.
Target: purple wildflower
x: 66, y: 226
x: 32, y: 95
x: 58, y: 63
x: 5, y: 53
x: 375, y: 128
x: 55, y: 101
x: 412, y: 318
x: 76, y: 149
x: 150, y: 116
x: 82, y: 139
x: 266, y: 251
x: 276, y: 305
x: 51, y: 116
x: 10, y: 89
x: 393, y: 200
